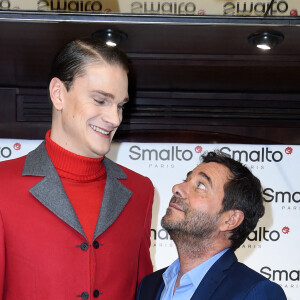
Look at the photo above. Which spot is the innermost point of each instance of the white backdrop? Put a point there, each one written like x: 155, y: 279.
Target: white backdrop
x: 272, y: 249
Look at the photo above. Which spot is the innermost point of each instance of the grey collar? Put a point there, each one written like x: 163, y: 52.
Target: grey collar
x: 50, y: 192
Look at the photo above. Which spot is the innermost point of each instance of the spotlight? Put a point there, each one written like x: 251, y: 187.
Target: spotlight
x: 110, y: 37
x: 265, y: 40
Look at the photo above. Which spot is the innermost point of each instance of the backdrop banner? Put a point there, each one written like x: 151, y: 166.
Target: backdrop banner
x: 245, y: 8
x: 272, y: 249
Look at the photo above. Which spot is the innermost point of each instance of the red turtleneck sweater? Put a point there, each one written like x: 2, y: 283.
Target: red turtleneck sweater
x: 83, y: 179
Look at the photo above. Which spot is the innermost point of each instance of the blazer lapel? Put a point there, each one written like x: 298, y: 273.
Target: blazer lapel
x: 49, y: 191
x: 115, y: 197
x: 151, y: 286
x: 157, y: 284
x: 214, y: 276
x: 159, y: 290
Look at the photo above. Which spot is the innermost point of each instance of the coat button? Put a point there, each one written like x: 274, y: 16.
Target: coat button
x: 84, y: 295
x: 95, y: 244
x: 84, y: 246
x: 96, y: 293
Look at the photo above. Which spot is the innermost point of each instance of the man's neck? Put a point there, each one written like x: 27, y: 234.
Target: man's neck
x: 192, y: 253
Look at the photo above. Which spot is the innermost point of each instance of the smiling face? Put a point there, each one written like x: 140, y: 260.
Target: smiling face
x: 86, y: 117
x: 197, y: 202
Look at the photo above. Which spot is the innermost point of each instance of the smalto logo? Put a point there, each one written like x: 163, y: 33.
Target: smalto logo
x: 73, y: 5
x: 173, y: 153
x: 258, y: 8
x: 286, y: 197
x: 281, y: 275
x: 289, y: 201
x: 164, y: 7
x: 264, y: 154
x: 5, y: 152
x: 262, y: 234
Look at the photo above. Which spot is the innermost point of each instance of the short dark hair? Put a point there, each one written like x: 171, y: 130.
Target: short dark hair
x: 71, y: 61
x: 243, y: 192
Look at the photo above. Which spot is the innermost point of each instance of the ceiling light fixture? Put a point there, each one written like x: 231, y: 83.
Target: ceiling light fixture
x: 265, y: 40
x: 111, y: 37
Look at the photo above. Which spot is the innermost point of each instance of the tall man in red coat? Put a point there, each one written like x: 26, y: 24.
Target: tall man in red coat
x: 73, y: 224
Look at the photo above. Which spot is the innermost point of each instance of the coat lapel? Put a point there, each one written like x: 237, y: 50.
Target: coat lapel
x: 49, y: 191
x: 214, y: 276
x: 115, y: 197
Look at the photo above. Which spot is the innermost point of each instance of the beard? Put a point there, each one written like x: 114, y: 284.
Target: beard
x: 195, y: 224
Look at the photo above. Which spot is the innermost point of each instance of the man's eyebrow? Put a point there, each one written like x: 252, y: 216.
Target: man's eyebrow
x: 187, y: 175
x: 202, y: 174
x: 125, y: 100
x: 102, y: 93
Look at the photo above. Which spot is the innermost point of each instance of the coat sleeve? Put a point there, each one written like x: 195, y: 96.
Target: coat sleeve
x: 2, y: 257
x: 145, y: 265
x: 266, y: 290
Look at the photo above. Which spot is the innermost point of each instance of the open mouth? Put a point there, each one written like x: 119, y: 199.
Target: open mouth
x: 100, y: 130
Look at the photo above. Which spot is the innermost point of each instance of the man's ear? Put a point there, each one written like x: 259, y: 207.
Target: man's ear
x: 231, y: 219
x: 56, y: 88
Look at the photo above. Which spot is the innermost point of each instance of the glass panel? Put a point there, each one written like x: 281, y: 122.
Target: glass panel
x: 182, y: 7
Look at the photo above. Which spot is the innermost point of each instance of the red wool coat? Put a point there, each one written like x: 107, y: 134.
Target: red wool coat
x: 44, y: 253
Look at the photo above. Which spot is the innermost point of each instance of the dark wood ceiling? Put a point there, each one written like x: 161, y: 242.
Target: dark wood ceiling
x: 192, y: 79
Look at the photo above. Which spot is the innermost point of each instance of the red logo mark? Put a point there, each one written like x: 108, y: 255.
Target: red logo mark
x: 17, y: 146
x: 198, y: 149
x: 107, y: 10
x: 294, y: 12
x: 288, y: 150
x: 285, y: 230
x: 201, y: 12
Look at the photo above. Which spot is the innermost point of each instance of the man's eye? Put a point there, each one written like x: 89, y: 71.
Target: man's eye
x: 100, y: 102
x: 121, y: 107
x: 201, y: 186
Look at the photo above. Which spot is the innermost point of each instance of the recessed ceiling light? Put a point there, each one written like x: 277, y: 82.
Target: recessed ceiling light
x: 111, y: 37
x: 265, y: 40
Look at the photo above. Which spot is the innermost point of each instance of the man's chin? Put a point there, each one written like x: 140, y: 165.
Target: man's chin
x: 169, y: 223
x: 97, y: 153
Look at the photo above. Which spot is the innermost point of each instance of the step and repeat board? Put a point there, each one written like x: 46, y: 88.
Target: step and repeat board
x: 272, y: 249
x: 183, y: 7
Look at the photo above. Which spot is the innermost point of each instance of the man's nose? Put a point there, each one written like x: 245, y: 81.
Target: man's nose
x: 179, y: 190
x: 113, y: 116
